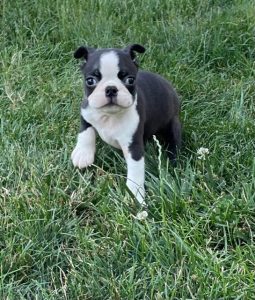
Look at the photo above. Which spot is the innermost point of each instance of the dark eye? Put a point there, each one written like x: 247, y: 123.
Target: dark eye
x: 91, y: 81
x: 129, y: 80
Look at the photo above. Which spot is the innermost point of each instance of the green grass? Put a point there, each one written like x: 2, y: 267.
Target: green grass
x: 68, y: 235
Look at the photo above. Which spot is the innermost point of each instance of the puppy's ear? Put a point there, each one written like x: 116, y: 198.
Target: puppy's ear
x: 131, y: 49
x: 83, y: 52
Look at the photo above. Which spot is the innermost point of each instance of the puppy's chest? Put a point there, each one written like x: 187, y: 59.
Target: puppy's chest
x: 110, y: 130
x: 115, y: 129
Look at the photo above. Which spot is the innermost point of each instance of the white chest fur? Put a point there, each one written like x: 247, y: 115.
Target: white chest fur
x: 115, y: 128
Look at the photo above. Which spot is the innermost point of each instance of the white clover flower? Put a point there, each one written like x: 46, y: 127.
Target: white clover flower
x: 142, y: 215
x: 202, y: 152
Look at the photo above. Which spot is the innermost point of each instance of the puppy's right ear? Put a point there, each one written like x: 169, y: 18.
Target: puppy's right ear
x: 83, y: 52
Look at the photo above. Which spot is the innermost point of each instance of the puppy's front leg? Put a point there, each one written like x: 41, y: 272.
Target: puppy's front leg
x: 84, y: 152
x: 135, y: 174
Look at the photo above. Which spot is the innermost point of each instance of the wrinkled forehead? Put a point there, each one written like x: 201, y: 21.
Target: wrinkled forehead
x: 109, y: 62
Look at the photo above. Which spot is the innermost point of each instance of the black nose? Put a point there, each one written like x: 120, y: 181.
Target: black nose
x: 111, y: 91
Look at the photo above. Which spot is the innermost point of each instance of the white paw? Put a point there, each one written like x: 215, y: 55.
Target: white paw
x: 82, y: 158
x: 142, y: 215
x: 138, y: 191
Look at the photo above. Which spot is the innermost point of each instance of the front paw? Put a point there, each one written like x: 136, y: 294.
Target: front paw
x: 82, y: 158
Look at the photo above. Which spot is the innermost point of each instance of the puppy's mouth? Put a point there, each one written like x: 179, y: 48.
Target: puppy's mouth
x: 113, y: 103
x: 112, y: 107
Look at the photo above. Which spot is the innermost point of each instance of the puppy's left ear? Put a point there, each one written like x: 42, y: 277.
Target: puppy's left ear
x: 131, y: 49
x: 83, y: 52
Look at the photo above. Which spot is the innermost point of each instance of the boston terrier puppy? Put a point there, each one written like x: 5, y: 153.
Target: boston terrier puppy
x: 126, y: 107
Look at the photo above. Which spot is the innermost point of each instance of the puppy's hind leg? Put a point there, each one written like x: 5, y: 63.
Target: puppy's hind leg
x: 172, y: 135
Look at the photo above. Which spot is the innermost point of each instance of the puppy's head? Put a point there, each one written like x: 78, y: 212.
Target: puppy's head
x: 110, y: 76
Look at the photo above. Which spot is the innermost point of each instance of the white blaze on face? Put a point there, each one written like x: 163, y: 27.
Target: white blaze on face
x: 109, y: 65
x: 109, y: 69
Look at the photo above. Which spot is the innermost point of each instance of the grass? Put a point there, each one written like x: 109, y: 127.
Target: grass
x: 68, y: 235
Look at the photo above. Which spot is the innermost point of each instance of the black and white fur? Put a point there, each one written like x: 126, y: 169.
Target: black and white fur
x: 125, y: 107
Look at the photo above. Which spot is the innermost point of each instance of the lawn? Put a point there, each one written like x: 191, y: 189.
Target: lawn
x: 71, y: 235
